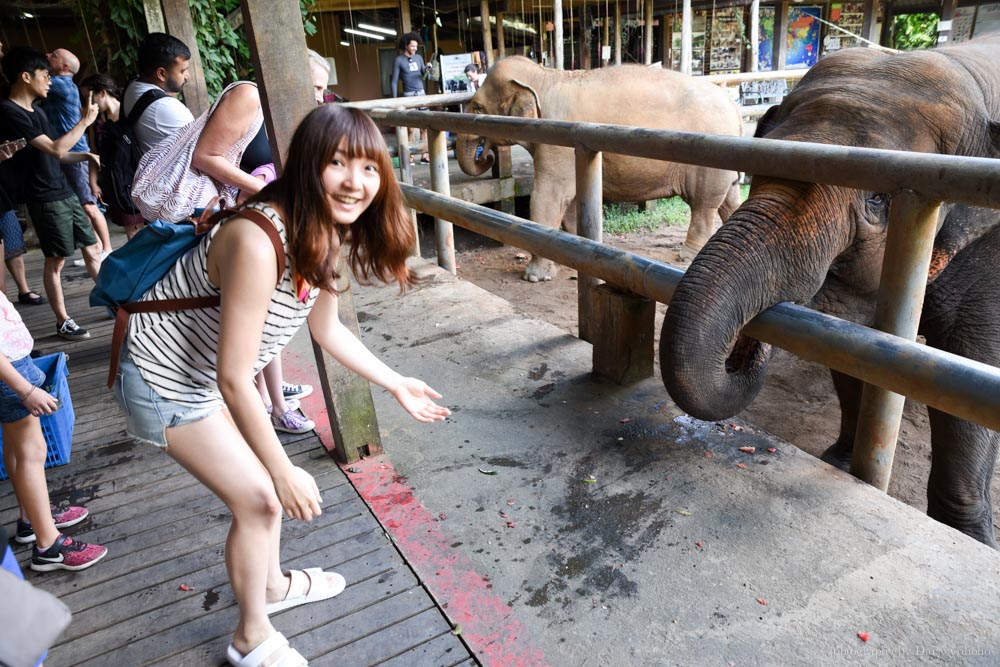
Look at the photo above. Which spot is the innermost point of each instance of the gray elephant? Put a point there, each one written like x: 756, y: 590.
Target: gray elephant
x: 822, y: 246
x: 630, y: 95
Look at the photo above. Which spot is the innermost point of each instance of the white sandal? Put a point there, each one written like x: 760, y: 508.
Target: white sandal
x: 275, y: 646
x: 316, y: 584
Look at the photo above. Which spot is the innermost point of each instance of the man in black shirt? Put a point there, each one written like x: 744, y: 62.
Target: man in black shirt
x: 409, y: 66
x: 55, y: 211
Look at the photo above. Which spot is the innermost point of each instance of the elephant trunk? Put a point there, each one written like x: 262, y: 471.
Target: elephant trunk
x: 756, y: 260
x: 466, y: 146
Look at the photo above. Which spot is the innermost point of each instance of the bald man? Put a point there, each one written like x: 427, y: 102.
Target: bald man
x: 63, y: 109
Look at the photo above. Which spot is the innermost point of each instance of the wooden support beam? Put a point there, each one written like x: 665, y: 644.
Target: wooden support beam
x: 278, y: 51
x: 886, y: 35
x: 623, y: 326
x: 177, y: 14
x: 686, y: 39
x: 405, y: 22
x: 780, y: 45
x: 347, y: 5
x: 606, y: 40
x: 647, y: 32
x: 503, y: 168
x: 348, y: 397
x: 501, y: 44
x: 663, y: 41
x: 618, y: 32
x: 484, y: 12
x: 154, y: 16
x: 869, y: 21
x: 754, y: 35
x: 589, y: 225
x: 557, y: 34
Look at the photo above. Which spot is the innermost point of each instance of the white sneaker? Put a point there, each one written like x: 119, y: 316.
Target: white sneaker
x: 100, y: 258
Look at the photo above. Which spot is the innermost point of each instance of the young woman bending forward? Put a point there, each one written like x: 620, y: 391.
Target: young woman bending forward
x: 186, y: 379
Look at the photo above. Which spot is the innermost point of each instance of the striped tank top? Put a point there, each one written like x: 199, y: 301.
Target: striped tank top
x: 176, y: 351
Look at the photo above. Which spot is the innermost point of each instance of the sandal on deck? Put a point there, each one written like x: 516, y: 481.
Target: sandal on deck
x: 275, y: 646
x: 312, y: 585
x: 30, y: 299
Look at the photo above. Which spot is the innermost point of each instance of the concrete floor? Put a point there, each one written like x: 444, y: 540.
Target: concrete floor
x: 618, y: 531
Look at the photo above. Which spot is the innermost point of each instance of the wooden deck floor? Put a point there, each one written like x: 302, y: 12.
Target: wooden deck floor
x: 164, y: 530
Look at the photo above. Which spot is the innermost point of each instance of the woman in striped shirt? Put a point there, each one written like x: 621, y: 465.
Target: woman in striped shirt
x: 186, y: 377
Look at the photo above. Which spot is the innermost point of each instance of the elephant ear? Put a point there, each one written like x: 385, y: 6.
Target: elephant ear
x: 994, y: 129
x: 522, y: 102
x: 961, y: 226
x: 767, y: 122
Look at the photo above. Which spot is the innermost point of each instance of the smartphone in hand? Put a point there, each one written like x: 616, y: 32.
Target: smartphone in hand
x: 8, y: 148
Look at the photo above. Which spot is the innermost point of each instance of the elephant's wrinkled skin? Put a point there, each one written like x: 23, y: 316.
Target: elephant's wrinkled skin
x: 630, y: 95
x: 822, y: 246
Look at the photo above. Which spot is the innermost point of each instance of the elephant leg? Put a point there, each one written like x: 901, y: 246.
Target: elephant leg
x: 732, y: 201
x: 550, y: 205
x: 704, y: 220
x: 849, y: 394
x: 963, y: 457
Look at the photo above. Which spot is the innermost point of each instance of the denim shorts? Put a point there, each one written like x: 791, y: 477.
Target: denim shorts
x: 147, y: 414
x: 13, y: 237
x: 11, y: 408
x: 78, y: 175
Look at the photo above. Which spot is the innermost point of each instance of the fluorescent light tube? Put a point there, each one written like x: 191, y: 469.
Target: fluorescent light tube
x: 362, y: 33
x: 366, y: 26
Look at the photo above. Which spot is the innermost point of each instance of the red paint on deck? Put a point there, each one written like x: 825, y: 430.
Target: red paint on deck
x: 489, y: 626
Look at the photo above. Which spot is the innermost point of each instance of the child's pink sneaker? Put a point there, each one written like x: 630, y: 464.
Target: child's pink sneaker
x: 64, y: 517
x: 66, y: 554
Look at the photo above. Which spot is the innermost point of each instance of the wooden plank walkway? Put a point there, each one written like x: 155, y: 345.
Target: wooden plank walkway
x: 163, y: 529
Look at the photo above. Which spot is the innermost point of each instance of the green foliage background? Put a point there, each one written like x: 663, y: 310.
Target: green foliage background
x: 914, y: 31
x: 115, y: 28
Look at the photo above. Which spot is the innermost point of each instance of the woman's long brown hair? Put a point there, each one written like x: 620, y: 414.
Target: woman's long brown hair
x: 380, y: 239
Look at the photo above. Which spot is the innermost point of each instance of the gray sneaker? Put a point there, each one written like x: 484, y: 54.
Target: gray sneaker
x: 71, y: 331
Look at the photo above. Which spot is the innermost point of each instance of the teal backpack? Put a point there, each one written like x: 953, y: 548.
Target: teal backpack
x: 132, y: 270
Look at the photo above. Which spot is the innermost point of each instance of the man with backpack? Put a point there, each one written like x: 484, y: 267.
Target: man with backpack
x: 149, y: 112
x: 54, y: 208
x: 163, y: 65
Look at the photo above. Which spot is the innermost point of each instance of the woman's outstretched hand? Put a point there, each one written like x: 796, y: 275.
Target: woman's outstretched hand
x: 298, y: 494
x: 415, y: 397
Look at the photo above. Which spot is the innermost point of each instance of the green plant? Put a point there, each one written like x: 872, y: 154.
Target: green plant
x: 113, y: 29
x: 116, y: 27
x: 626, y: 218
x: 914, y: 31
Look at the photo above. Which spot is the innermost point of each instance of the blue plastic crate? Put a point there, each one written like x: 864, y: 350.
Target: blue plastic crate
x: 57, y: 427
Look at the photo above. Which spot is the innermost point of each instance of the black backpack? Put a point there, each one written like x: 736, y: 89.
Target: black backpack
x: 120, y: 155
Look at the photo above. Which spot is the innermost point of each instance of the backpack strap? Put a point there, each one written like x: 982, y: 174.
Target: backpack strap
x: 142, y: 104
x: 191, y: 303
x: 261, y: 220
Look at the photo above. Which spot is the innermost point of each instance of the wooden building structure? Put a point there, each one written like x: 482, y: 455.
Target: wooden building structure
x: 360, y: 39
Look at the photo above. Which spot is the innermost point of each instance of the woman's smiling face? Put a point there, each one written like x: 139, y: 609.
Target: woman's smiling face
x: 350, y: 183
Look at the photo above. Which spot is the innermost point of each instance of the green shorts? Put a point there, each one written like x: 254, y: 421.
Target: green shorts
x: 61, y: 226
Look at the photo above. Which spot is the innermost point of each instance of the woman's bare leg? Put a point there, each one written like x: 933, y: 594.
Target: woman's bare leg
x: 217, y: 455
x: 273, y: 378
x: 24, y: 455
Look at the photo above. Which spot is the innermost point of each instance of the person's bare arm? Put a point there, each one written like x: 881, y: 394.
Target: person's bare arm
x: 36, y: 400
x: 241, y: 262
x: 329, y: 332
x: 59, y: 148
x: 230, y: 121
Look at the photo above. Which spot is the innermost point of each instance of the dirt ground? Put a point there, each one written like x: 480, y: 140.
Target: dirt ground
x: 797, y: 404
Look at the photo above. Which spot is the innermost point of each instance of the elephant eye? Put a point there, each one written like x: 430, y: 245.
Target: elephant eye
x: 878, y: 199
